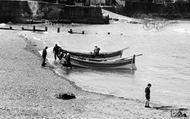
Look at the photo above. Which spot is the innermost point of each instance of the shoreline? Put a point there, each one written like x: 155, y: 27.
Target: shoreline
x: 51, y: 67
x: 39, y: 86
x: 36, y: 52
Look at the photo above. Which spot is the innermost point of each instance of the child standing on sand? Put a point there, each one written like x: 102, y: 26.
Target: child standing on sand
x: 147, y: 95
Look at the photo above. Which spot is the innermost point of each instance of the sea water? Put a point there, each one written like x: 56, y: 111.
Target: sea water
x: 165, y: 62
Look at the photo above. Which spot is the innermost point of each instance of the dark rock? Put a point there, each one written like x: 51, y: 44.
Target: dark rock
x: 66, y: 96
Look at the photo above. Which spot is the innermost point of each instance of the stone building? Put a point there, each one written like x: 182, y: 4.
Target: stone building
x: 32, y: 11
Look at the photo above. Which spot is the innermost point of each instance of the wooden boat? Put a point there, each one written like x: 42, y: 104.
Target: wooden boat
x: 121, y: 63
x: 103, y: 55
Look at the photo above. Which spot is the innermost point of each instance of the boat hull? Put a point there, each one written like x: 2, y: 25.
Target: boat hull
x: 106, y: 55
x: 109, y: 64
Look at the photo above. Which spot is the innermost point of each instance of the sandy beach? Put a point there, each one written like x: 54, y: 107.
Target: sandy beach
x: 28, y: 90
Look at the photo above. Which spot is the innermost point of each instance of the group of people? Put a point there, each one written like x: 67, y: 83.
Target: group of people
x: 58, y: 53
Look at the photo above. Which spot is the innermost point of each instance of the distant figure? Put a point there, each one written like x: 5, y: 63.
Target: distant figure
x: 96, y: 51
x: 147, y: 95
x: 44, y: 54
x: 56, y: 51
x: 68, y: 60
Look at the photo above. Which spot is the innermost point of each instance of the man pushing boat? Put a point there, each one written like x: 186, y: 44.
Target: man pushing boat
x: 68, y: 60
x: 96, y: 51
x: 56, y: 51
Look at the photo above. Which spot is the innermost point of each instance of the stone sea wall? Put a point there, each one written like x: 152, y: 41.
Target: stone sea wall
x: 178, y: 10
x: 30, y: 11
x: 175, y: 10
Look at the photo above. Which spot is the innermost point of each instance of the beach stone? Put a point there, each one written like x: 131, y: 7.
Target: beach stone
x: 65, y: 96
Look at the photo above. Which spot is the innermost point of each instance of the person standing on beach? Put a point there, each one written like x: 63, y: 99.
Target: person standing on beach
x: 56, y: 51
x: 147, y: 95
x: 44, y: 54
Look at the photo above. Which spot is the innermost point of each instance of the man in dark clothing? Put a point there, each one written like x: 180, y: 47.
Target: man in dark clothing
x: 96, y: 51
x: 44, y: 54
x: 68, y: 60
x: 147, y: 95
x: 56, y: 51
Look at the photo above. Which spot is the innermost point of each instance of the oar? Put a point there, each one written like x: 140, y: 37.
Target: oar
x: 125, y: 48
x: 139, y: 55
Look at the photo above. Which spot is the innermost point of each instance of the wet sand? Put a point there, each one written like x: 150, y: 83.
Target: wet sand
x: 28, y: 90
